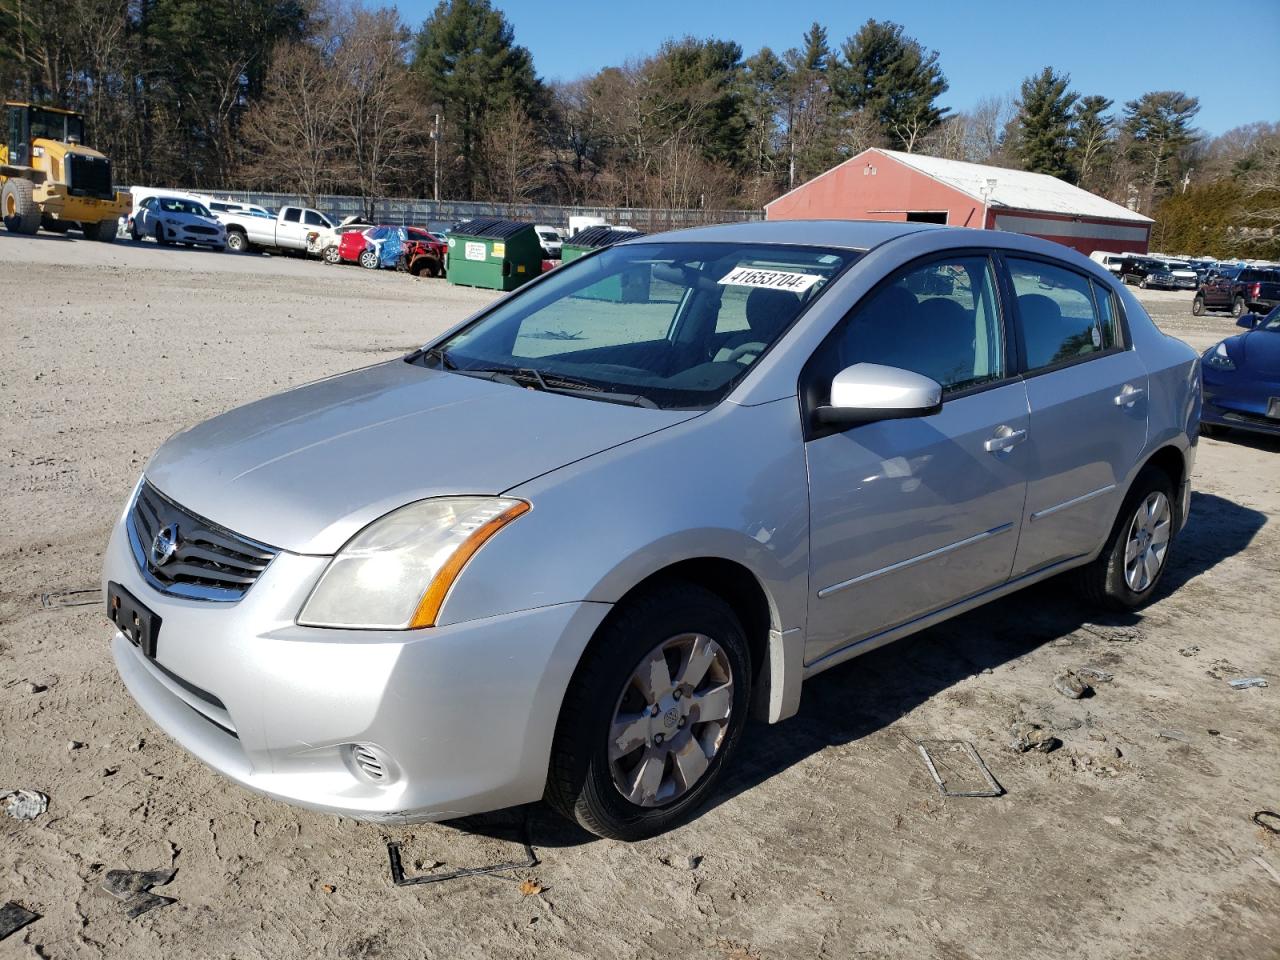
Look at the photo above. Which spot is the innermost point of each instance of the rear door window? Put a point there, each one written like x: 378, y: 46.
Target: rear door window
x: 292, y: 214
x: 1058, y: 317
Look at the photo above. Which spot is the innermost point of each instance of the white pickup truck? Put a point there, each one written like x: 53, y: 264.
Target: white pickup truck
x: 294, y: 228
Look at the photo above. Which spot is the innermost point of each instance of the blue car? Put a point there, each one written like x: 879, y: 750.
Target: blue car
x: 1242, y: 379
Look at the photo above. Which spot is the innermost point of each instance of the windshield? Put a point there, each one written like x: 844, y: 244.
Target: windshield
x: 177, y: 205
x: 671, y: 325
x: 56, y: 126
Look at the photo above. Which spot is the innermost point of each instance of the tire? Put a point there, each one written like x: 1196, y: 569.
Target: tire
x: 134, y: 232
x: 1238, y: 308
x: 1106, y: 581
x: 17, y: 202
x: 369, y: 260
x: 160, y: 238
x: 330, y: 254
x: 581, y: 782
x: 237, y: 242
x: 1142, y: 284
x: 104, y: 231
x: 1197, y: 306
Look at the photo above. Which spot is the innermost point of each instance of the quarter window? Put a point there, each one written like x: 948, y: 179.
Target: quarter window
x: 1059, y: 319
x: 941, y: 320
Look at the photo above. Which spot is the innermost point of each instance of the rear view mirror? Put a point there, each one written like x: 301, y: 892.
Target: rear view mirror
x: 1248, y: 321
x: 866, y: 392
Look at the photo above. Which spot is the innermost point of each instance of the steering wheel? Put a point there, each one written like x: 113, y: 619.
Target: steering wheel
x: 742, y: 350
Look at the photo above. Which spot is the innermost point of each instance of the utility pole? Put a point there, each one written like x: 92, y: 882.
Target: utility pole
x: 435, y: 162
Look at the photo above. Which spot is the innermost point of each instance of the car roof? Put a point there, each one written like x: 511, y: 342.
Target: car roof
x: 844, y: 234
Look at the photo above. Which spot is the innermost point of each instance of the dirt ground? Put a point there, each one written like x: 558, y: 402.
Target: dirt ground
x: 1133, y: 840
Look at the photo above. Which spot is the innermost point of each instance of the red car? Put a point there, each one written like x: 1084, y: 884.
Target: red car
x: 353, y: 245
x: 424, y: 253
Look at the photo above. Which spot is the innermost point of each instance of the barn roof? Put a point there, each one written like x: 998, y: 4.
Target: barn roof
x: 1014, y: 190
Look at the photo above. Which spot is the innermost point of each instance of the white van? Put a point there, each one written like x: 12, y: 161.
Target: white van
x: 1108, y: 258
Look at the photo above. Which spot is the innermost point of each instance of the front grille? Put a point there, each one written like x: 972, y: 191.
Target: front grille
x: 203, y: 231
x: 196, y: 558
x: 89, y: 177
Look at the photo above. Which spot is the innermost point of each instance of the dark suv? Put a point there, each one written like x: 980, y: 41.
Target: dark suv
x: 1238, y: 289
x: 1138, y: 269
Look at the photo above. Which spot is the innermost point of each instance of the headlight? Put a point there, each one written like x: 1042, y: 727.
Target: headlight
x: 395, y: 573
x: 1218, y: 358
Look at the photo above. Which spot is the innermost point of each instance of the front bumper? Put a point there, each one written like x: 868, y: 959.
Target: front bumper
x: 1239, y: 406
x: 462, y: 715
x: 187, y: 233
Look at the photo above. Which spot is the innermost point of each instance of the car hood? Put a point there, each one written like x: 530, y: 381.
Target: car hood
x: 1259, y: 352
x: 190, y: 219
x: 305, y: 470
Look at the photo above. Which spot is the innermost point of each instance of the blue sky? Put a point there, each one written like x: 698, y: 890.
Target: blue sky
x: 1225, y: 54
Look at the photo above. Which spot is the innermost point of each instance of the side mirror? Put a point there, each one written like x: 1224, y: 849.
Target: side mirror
x: 1248, y: 321
x: 866, y: 392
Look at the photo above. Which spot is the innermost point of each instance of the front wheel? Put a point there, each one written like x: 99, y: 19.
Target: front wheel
x: 652, y: 715
x: 1197, y: 306
x: 1125, y: 574
x: 160, y: 235
x: 1142, y: 284
x: 237, y: 241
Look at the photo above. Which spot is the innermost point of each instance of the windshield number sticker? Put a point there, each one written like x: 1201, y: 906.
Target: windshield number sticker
x: 770, y: 279
x: 475, y: 251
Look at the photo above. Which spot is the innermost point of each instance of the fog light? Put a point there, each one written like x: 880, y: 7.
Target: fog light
x: 369, y: 763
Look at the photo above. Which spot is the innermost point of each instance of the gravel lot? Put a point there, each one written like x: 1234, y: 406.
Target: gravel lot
x: 1132, y: 840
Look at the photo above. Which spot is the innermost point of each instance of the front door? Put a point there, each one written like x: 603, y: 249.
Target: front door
x: 1088, y: 397
x: 910, y: 516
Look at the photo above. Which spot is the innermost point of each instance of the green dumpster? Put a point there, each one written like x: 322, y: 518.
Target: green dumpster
x: 593, y: 238
x: 629, y: 287
x: 493, y: 253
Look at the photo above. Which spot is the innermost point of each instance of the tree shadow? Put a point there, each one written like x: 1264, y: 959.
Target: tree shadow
x: 870, y: 692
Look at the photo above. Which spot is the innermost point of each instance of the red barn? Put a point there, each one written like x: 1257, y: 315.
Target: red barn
x: 889, y: 185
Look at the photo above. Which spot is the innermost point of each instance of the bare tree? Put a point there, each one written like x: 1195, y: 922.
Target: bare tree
x: 293, y: 130
x: 515, y: 165
x: 381, y: 124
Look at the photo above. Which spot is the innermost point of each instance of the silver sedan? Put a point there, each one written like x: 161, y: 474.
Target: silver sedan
x: 566, y: 549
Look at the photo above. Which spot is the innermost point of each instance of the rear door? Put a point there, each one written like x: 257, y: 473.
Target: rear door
x: 910, y: 516
x: 1087, y: 391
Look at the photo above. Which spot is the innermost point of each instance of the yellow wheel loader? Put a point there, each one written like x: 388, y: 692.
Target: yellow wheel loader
x: 49, y: 178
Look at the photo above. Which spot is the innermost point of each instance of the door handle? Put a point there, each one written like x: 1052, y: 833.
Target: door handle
x: 1005, y: 439
x: 1129, y: 396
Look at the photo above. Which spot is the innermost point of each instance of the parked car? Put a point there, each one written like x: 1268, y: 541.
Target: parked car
x: 1238, y: 289
x: 1184, y: 277
x: 1242, y: 379
x: 1157, y: 277
x: 372, y: 248
x: 424, y: 253
x: 1108, y: 259
x: 355, y: 224
x: 177, y: 220
x: 551, y: 240
x: 293, y: 228
x: 567, y: 547
x: 1134, y: 269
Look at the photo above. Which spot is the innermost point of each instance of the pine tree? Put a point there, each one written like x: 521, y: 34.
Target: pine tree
x: 1041, y: 131
x: 1091, y: 139
x: 1159, y: 127
x: 467, y: 57
x: 892, y: 79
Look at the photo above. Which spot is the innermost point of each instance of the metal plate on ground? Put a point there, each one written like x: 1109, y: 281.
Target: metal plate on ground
x: 957, y: 769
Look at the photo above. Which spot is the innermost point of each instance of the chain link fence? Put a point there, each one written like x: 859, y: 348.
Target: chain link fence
x: 438, y: 214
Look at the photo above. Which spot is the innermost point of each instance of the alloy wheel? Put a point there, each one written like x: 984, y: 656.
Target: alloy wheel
x: 670, y: 720
x: 1147, y: 545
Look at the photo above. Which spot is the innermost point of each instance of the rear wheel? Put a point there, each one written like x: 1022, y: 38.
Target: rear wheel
x: 1142, y: 284
x: 1238, y: 308
x: 652, y: 715
x: 17, y: 201
x: 1197, y: 305
x: 330, y: 254
x: 1125, y: 574
x: 104, y: 231
x: 369, y: 259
